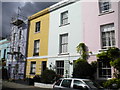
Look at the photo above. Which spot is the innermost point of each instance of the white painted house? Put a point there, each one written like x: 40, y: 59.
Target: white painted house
x: 65, y: 33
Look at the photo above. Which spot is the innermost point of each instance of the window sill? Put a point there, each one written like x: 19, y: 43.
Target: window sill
x: 105, y: 48
x: 32, y: 73
x: 63, y: 54
x: 64, y: 24
x: 37, y: 32
x: 100, y: 50
x: 36, y: 54
x: 106, y: 12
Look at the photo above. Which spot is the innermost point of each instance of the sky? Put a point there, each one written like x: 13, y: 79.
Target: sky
x: 28, y: 8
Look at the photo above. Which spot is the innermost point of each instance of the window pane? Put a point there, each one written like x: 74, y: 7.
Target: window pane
x: 108, y: 35
x: 63, y: 43
x: 64, y: 17
x: 77, y: 82
x: 66, y: 83
x: 36, y: 47
x: 37, y: 26
x: 104, y: 5
x: 33, y: 67
x: 104, y: 69
x: 60, y: 67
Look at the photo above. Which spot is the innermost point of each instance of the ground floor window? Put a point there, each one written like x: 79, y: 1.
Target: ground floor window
x: 33, y: 68
x: 60, y: 67
x: 104, y: 69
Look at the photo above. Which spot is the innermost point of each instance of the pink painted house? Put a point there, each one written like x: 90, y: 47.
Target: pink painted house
x: 101, y: 22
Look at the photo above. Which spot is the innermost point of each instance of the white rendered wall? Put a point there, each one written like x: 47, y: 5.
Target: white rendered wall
x: 74, y: 30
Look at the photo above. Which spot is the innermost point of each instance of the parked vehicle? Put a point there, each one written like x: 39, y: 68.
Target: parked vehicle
x: 76, y: 84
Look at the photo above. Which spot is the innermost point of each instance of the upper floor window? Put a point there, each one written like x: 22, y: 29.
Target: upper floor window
x: 37, y: 26
x: 64, y: 43
x: 64, y: 18
x: 14, y: 35
x: 108, y: 36
x: 20, y: 34
x: 36, y: 47
x: 4, y: 56
x: 104, y: 6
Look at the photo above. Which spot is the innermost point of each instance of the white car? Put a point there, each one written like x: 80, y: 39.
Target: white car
x: 76, y: 84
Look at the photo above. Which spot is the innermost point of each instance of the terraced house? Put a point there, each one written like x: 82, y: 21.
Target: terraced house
x: 4, y: 44
x: 55, y: 32
x: 102, y: 30
x: 66, y: 30
x: 37, y: 43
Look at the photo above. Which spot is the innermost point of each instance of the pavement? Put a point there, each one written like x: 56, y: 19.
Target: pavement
x: 16, y: 86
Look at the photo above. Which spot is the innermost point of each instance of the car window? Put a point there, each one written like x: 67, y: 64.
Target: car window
x: 91, y: 84
x: 58, y: 82
x: 76, y: 82
x: 66, y: 83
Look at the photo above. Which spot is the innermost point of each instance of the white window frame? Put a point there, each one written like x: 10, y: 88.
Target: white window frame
x: 37, y: 27
x: 33, y: 67
x: 107, y: 36
x: 103, y: 4
x: 64, y: 43
x: 103, y: 68
x: 64, y: 18
x: 59, y: 67
x: 36, y: 47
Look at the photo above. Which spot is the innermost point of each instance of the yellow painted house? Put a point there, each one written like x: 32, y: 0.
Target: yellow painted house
x: 37, y: 43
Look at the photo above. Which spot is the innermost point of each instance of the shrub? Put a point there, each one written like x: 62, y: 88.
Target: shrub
x: 48, y: 76
x: 82, y: 69
x: 112, y: 83
x: 37, y: 78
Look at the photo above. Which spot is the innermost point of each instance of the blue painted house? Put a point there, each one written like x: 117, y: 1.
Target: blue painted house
x: 4, y: 48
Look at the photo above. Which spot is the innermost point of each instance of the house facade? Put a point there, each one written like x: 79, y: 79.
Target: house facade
x: 55, y: 32
x: 4, y: 44
x: 37, y: 43
x: 102, y: 30
x: 65, y: 33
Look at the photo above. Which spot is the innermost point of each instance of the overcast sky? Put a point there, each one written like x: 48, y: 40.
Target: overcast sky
x: 28, y: 7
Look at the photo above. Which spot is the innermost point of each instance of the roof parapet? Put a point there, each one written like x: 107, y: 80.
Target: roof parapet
x: 43, y: 12
x: 61, y: 4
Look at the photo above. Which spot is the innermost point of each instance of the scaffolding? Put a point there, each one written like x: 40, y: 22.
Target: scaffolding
x: 17, y: 54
